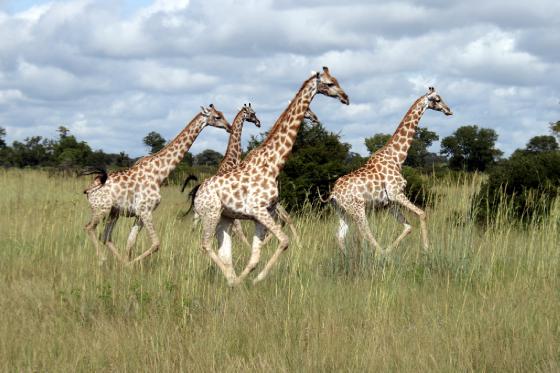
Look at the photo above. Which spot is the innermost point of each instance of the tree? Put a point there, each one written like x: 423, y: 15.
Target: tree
x: 208, y: 157
x: 471, y: 148
x: 555, y: 128
x: 376, y: 142
x: 542, y: 144
x: 154, y: 141
x: 2, y: 137
x: 418, y: 154
x: 34, y: 151
x: 63, y: 131
x: 70, y: 152
x: 318, y: 158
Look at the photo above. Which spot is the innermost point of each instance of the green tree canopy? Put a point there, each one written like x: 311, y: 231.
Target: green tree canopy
x: 544, y: 143
x: 2, y: 137
x: 376, y: 142
x: 208, y: 157
x: 471, y: 148
x: 154, y: 141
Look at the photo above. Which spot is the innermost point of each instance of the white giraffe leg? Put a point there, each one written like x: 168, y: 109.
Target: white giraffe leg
x: 132, y: 236
x: 258, y: 241
x: 97, y: 217
x: 341, y: 233
x: 223, y: 234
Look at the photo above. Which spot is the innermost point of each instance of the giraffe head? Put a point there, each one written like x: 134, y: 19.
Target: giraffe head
x: 215, y: 118
x: 250, y: 116
x: 328, y: 86
x: 311, y: 117
x: 435, y: 102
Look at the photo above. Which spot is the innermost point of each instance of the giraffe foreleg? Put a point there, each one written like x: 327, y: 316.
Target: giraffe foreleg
x: 209, y: 223
x: 402, y: 200
x: 269, y: 223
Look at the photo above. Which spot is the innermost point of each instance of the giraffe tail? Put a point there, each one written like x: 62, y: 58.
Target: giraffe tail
x: 323, y: 200
x: 189, y: 178
x: 192, y: 196
x: 99, y: 180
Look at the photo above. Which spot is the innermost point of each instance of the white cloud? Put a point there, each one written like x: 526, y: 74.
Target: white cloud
x: 113, y: 77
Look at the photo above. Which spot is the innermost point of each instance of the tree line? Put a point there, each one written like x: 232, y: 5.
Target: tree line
x: 319, y: 157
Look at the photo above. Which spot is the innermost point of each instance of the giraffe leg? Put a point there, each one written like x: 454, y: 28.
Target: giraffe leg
x: 108, y: 233
x: 258, y: 242
x: 96, y: 218
x: 358, y: 215
x: 402, y: 200
x: 195, y: 221
x: 406, y: 230
x: 269, y: 223
x: 146, y: 218
x: 238, y: 230
x: 209, y: 223
x: 132, y: 236
x: 223, y: 234
x: 286, y: 218
x: 341, y: 233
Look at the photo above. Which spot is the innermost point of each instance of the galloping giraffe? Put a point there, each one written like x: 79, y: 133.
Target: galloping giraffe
x: 250, y: 191
x: 135, y: 192
x: 380, y: 182
x: 232, y: 158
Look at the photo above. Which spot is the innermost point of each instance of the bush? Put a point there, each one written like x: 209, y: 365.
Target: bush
x: 528, y: 182
x: 417, y: 187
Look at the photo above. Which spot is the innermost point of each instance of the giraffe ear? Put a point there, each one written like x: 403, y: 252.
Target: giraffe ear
x: 204, y: 111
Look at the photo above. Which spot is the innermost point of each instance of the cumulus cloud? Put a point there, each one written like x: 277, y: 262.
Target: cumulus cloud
x: 112, y: 72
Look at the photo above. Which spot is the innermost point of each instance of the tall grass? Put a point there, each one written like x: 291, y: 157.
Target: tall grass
x: 481, y: 300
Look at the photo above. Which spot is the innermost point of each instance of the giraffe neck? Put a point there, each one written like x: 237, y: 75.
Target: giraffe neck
x: 398, y: 145
x: 162, y: 163
x: 273, y: 152
x: 233, y: 152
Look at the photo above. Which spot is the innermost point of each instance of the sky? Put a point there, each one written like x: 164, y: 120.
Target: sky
x: 112, y: 71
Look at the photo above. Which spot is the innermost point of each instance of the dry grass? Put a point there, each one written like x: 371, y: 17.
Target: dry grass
x: 480, y: 301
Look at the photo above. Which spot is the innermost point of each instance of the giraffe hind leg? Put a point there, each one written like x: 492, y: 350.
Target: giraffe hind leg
x: 258, y: 242
x: 238, y: 230
x: 132, y: 236
x: 90, y: 227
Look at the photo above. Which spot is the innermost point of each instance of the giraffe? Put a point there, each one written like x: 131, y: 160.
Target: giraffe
x: 250, y: 190
x: 135, y: 192
x: 380, y: 182
x: 232, y: 158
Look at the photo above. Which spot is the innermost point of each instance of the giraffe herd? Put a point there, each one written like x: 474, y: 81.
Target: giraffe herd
x: 247, y: 189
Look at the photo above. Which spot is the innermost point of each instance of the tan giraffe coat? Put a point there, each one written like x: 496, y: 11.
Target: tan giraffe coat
x: 250, y: 190
x: 380, y: 181
x: 135, y: 192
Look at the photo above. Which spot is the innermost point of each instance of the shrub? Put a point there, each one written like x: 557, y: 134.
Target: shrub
x: 528, y: 182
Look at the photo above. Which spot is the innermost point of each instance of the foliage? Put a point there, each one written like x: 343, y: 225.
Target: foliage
x: 417, y: 187
x: 542, y: 144
x: 471, y: 148
x: 208, y: 157
x: 154, y: 141
x: 2, y: 137
x: 555, y: 128
x: 376, y: 142
x: 318, y: 158
x: 529, y: 179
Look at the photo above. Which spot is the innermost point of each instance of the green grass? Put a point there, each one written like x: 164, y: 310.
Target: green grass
x: 482, y: 300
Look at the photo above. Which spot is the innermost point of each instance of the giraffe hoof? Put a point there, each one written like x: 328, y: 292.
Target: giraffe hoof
x: 258, y: 279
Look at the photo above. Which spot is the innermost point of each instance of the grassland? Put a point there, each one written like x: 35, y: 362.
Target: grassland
x: 482, y: 300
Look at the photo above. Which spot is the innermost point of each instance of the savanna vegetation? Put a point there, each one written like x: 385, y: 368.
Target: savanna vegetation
x: 485, y: 298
